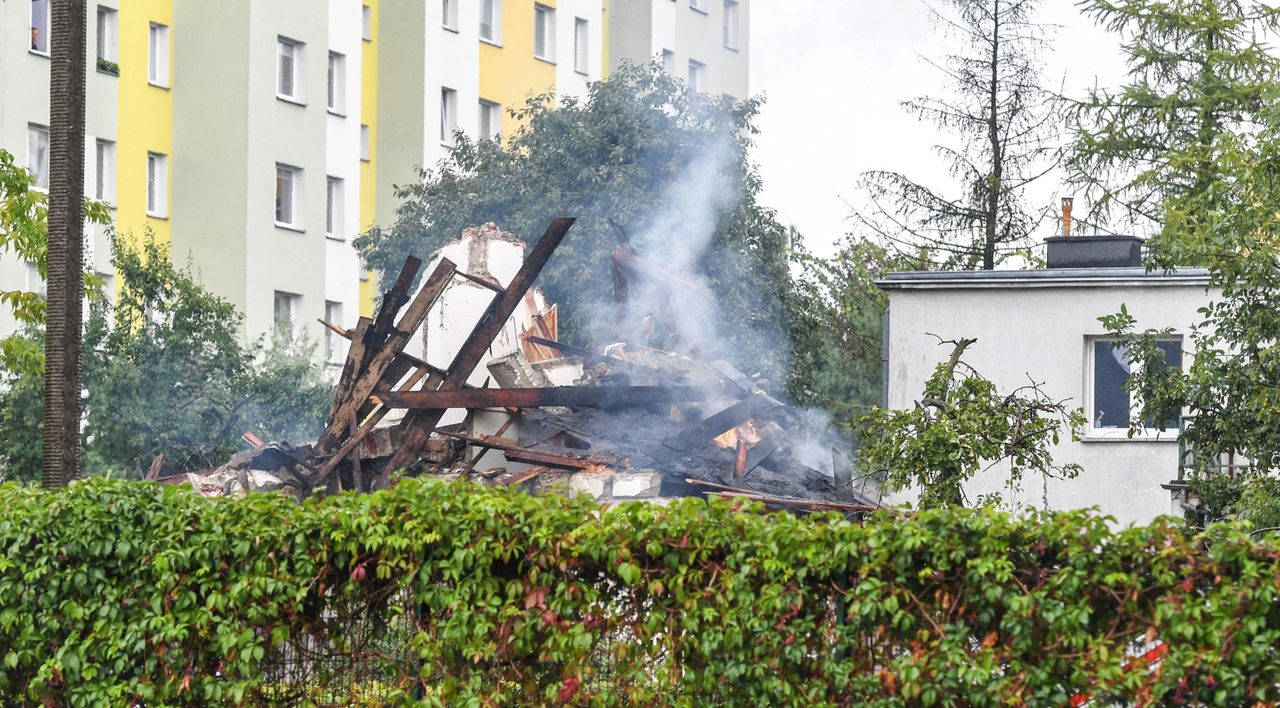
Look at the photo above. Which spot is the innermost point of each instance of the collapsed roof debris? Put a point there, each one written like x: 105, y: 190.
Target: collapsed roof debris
x: 628, y: 422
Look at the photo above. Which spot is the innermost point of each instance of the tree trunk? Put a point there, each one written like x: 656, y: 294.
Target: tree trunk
x: 61, y: 433
x: 997, y: 157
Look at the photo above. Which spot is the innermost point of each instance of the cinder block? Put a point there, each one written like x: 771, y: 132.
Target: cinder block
x: 637, y: 485
x: 593, y: 483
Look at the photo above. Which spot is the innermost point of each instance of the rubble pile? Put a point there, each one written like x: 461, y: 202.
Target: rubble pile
x: 635, y: 423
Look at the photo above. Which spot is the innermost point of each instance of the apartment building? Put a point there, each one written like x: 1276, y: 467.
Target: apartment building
x: 704, y: 42
x: 258, y: 138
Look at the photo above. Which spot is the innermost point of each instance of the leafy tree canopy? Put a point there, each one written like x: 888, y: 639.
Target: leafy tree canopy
x: 24, y: 233
x: 619, y: 152
x: 1199, y: 71
x: 166, y: 372
x: 961, y: 426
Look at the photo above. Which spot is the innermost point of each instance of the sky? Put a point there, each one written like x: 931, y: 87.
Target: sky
x: 833, y: 73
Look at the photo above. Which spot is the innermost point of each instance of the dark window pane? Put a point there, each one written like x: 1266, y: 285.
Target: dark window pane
x: 1110, y: 400
x: 1173, y: 359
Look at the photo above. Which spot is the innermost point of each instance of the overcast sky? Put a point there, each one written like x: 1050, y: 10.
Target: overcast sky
x: 834, y: 73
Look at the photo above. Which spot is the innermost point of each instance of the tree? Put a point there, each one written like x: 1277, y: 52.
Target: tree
x: 998, y: 108
x: 24, y: 234
x: 1198, y: 72
x: 1229, y: 389
x: 837, y: 326
x: 61, y: 431
x: 669, y: 164
x: 166, y: 372
x: 961, y: 426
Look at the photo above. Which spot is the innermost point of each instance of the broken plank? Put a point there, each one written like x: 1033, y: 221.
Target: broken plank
x: 417, y: 426
x: 479, y: 281
x: 537, y: 457
x: 713, y: 426
x: 565, y: 396
x: 350, y: 371
x: 723, y: 490
x: 766, y: 446
x: 396, y: 296
x: 525, y: 476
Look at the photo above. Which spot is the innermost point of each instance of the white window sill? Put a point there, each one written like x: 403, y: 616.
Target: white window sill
x: 290, y: 227
x: 732, y: 49
x: 1122, y: 436
x: 39, y: 53
x: 366, y: 159
x: 699, y: 10
x: 333, y: 237
x: 159, y: 86
x: 492, y: 42
x: 153, y: 215
x: 548, y: 60
x: 580, y: 72
x: 447, y: 28
x: 290, y: 99
x: 337, y: 113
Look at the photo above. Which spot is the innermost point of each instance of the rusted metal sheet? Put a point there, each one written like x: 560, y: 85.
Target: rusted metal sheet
x: 566, y: 396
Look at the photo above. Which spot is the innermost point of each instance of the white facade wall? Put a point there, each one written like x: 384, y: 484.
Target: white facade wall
x: 451, y: 59
x: 569, y: 81
x: 1041, y: 331
x: 342, y: 160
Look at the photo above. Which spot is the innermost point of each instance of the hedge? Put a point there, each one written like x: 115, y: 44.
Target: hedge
x: 117, y: 593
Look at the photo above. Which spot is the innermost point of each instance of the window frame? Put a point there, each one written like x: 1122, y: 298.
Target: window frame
x: 731, y: 26
x: 448, y: 115
x: 334, y: 351
x: 34, y: 130
x: 366, y: 23
x: 292, y: 300
x: 296, y: 56
x: 334, y: 194
x: 108, y: 37
x: 157, y: 195
x: 544, y: 19
x: 336, y: 96
x: 581, y: 46
x: 295, y: 204
x: 104, y: 177
x: 490, y: 111
x: 697, y: 69
x: 32, y: 46
x: 668, y: 59
x: 495, y: 25
x: 1121, y: 434
x: 158, y: 55
x: 365, y: 143
x: 698, y: 6
x: 449, y: 15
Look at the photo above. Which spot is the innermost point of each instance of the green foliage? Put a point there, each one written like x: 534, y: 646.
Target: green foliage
x: 1199, y: 71
x: 837, y: 328
x: 961, y: 426
x: 1229, y: 388
x: 120, y: 593
x: 166, y: 372
x: 614, y: 154
x: 24, y: 232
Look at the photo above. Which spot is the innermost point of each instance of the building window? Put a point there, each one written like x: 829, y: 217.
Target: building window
x: 697, y: 75
x: 40, y: 23
x: 157, y: 184
x: 669, y: 61
x: 491, y: 21
x: 38, y: 154
x: 288, y: 69
x: 449, y: 14
x: 158, y: 56
x: 544, y: 32
x: 286, y: 314
x: 104, y: 172
x: 731, y: 24
x: 288, y: 196
x: 448, y: 115
x: 490, y: 119
x: 333, y: 350
x: 108, y: 49
x: 337, y: 83
x: 581, y: 45
x: 333, y: 208
x: 1112, y: 408
x: 364, y: 142
x: 366, y: 23
x: 35, y: 283
x: 699, y: 5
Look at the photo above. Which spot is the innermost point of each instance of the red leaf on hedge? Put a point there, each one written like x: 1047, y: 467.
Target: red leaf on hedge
x: 569, y: 688
x: 537, y: 597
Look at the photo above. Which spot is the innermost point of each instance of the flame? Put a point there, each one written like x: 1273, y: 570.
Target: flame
x: 747, y: 432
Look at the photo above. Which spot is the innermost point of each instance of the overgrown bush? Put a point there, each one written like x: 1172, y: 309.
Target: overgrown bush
x: 128, y: 593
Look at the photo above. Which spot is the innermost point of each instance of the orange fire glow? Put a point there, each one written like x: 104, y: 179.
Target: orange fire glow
x: 748, y: 432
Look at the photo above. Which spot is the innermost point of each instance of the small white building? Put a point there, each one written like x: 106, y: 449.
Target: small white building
x: 1043, y: 324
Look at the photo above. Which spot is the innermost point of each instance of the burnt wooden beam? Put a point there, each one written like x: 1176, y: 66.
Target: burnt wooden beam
x: 713, y: 426
x: 396, y: 296
x: 417, y: 426
x: 764, y: 447
x: 375, y: 366
x: 350, y: 370
x: 565, y: 396
x: 479, y: 281
x: 547, y: 459
x: 814, y: 504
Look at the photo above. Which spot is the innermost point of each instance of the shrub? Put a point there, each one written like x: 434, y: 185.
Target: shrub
x: 118, y: 593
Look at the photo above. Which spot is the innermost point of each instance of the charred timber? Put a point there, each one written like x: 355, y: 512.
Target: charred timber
x: 564, y: 396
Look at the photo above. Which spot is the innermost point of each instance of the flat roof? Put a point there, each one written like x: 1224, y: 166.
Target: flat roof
x: 1046, y: 278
